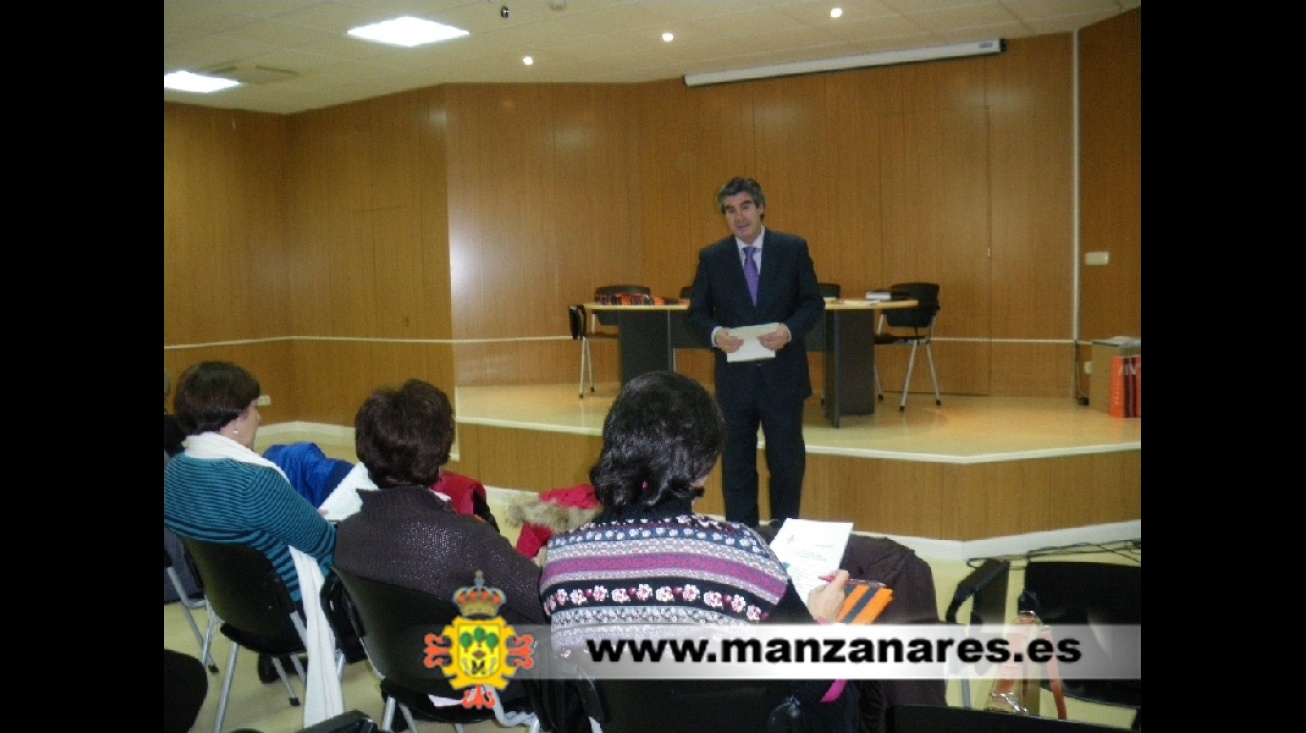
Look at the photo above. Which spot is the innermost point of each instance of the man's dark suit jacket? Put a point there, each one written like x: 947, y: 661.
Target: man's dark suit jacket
x: 787, y: 293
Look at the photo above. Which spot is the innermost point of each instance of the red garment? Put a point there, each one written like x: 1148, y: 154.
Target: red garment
x: 534, y: 536
x: 460, y: 490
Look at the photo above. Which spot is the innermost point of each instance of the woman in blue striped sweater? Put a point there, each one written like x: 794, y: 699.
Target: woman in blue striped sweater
x: 220, y: 490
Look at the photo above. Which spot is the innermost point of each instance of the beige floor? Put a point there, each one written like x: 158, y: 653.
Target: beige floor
x: 964, y: 429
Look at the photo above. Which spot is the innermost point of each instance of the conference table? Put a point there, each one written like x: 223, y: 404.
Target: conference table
x: 648, y: 336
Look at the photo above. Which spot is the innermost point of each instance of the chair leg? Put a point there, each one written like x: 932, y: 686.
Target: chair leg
x: 589, y: 362
x: 906, y: 386
x: 879, y: 393
x: 186, y: 606
x: 934, y: 377
x: 206, y: 650
x: 281, y: 672
x: 584, y: 359
x: 226, y: 688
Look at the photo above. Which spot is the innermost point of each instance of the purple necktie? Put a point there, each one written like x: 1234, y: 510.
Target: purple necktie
x: 750, y: 271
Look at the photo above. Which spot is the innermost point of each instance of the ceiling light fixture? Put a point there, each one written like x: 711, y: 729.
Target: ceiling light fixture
x: 886, y: 58
x: 668, y: 37
x: 528, y: 60
x: 185, y: 81
x: 407, y: 31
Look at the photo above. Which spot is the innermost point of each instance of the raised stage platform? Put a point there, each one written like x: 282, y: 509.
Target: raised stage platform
x: 973, y: 470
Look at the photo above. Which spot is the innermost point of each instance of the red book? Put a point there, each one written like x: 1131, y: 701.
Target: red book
x: 1127, y: 386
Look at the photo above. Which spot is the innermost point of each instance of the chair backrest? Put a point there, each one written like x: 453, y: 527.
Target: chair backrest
x: 686, y: 291
x: 336, y: 608
x: 684, y: 706
x: 922, y: 316
x: 393, y: 622
x: 244, y: 589
x: 830, y: 290
x: 576, y: 319
x: 945, y: 719
x: 986, y: 586
x: 1088, y: 594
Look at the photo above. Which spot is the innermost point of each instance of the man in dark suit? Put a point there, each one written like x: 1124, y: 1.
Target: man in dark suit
x: 768, y: 391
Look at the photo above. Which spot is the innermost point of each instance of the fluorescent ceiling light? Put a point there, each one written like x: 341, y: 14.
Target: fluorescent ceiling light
x: 184, y: 81
x: 887, y: 58
x: 407, y: 31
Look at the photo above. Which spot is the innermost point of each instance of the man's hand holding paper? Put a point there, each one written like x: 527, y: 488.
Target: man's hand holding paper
x: 753, y: 347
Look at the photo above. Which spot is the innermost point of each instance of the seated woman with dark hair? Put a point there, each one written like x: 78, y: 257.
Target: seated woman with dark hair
x: 220, y: 490
x: 408, y: 535
x: 648, y: 563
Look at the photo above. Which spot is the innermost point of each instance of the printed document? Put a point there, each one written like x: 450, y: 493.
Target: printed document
x: 752, y: 350
x: 810, y: 549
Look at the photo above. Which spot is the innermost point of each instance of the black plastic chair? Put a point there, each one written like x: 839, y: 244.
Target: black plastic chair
x: 392, y: 622
x: 830, y: 290
x: 944, y: 719
x: 690, y: 706
x: 582, y: 329
x: 203, y: 639
x: 986, y: 589
x: 1068, y: 592
x: 912, y: 327
x: 254, y: 609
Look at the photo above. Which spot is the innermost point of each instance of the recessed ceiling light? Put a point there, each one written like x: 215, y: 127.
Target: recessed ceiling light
x: 185, y: 81
x: 407, y: 31
x: 836, y: 12
x: 528, y: 60
x: 668, y: 37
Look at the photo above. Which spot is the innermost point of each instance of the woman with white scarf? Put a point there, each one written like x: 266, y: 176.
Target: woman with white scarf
x: 220, y: 490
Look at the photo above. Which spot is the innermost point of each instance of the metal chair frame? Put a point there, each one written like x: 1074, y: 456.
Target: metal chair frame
x: 920, y: 320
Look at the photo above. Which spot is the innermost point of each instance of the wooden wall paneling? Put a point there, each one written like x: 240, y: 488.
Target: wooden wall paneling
x: 850, y: 160
x: 319, y: 212
x: 529, y: 361
x: 269, y: 362
x: 529, y: 460
x: 890, y: 497
x: 1025, y: 369
x: 189, y: 223
x: 789, y: 123
x: 667, y: 153
x: 1111, y: 173
x: 432, y: 181
x: 500, y: 210
x: 724, y: 140
x: 595, y: 186
x: 1031, y: 144
x: 936, y: 221
x: 1023, y: 496
x: 334, y: 377
x: 224, y: 225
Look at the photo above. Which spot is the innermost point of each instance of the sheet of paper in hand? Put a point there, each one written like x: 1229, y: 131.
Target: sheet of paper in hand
x: 752, y: 350
x: 810, y: 549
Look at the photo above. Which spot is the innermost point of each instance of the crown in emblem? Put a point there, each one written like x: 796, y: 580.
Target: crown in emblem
x: 479, y: 599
